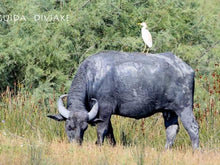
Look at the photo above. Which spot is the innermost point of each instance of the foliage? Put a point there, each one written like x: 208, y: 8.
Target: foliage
x: 44, y: 55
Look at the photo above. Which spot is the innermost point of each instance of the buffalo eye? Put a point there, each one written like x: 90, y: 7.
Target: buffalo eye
x: 70, y: 128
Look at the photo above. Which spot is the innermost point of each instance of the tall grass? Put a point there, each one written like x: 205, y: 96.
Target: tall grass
x: 17, y: 151
x: 27, y: 136
x: 24, y: 116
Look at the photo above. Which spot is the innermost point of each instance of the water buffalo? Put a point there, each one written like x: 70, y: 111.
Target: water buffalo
x: 132, y: 85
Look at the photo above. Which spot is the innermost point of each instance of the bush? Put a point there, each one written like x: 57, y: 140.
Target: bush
x: 45, y: 55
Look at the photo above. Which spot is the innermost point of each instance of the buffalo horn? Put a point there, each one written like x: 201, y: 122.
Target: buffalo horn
x: 92, y: 114
x: 62, y: 110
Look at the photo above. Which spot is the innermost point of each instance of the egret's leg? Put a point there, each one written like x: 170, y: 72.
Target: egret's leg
x: 148, y: 50
x: 145, y: 46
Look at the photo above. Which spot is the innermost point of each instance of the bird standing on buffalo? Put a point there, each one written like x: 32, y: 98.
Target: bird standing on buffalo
x: 146, y: 36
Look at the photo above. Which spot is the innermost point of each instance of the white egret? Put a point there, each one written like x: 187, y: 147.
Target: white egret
x: 146, y: 36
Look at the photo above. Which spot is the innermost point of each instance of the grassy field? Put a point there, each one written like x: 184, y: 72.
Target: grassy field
x: 27, y: 136
x: 20, y: 151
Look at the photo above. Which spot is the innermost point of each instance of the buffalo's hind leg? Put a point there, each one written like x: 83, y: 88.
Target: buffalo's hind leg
x: 172, y: 127
x: 191, y: 125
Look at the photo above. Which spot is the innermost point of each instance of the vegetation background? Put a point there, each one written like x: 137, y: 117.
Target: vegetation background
x: 38, y: 61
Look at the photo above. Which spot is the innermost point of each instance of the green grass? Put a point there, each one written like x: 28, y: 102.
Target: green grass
x: 24, y: 116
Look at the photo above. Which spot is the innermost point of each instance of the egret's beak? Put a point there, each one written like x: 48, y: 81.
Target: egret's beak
x: 138, y: 23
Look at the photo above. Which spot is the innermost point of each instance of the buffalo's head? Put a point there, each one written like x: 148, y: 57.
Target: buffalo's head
x: 76, y: 121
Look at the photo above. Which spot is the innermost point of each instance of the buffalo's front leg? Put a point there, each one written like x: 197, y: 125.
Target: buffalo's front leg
x: 104, y: 128
x: 110, y: 134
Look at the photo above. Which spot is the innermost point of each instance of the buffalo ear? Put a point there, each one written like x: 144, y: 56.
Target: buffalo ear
x: 57, y: 117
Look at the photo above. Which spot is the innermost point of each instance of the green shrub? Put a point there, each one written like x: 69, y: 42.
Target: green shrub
x: 45, y: 55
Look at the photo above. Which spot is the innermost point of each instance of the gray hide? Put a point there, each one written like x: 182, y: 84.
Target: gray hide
x: 131, y: 85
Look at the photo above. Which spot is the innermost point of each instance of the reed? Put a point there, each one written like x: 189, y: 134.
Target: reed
x: 25, y: 131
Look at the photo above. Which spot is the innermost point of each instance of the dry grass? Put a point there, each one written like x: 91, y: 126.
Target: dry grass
x: 17, y: 150
x: 28, y: 137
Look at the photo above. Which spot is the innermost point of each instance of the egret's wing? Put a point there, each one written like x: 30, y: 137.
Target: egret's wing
x: 146, y: 37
